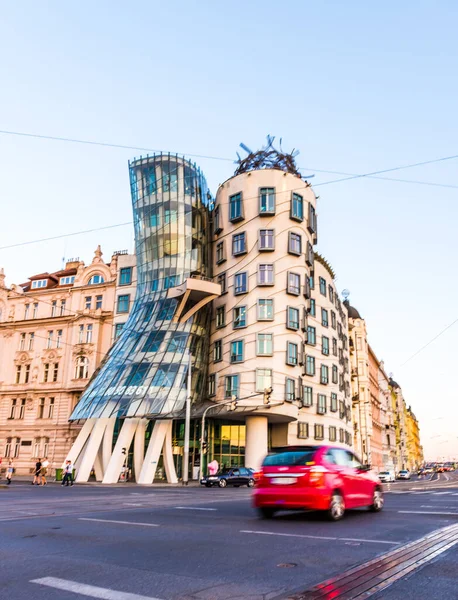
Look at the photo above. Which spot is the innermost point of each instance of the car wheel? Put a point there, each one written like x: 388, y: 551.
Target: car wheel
x: 266, y: 512
x: 377, y: 501
x: 250, y: 483
x: 336, y: 506
x: 222, y: 483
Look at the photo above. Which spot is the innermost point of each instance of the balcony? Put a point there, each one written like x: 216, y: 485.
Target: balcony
x: 195, y: 292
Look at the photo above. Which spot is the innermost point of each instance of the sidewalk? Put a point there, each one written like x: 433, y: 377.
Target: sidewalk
x: 28, y: 479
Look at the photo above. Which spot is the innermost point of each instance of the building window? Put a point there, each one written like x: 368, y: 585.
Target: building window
x: 27, y: 374
x: 264, y: 344
x: 319, y: 432
x: 266, y: 274
x: 309, y: 365
x: 309, y: 260
x: 50, y: 410
x: 239, y: 317
x: 82, y: 367
x: 307, y: 395
x: 333, y: 319
x: 331, y: 294
x: 67, y: 280
x: 267, y: 201
x: 125, y: 276
x: 341, y: 436
x: 241, y: 283
x: 292, y: 320
x: 333, y: 402
x: 220, y: 317
x: 39, y: 283
x: 212, y: 385
x: 322, y: 286
x: 31, y: 339
x: 312, y: 310
x: 13, y: 409
x: 332, y: 433
x: 324, y: 317
x: 59, y: 338
x: 221, y: 279
x: 231, y: 387
x: 46, y: 445
x: 220, y: 252
x: 41, y: 409
x: 95, y: 279
x: 55, y: 372
x: 263, y: 379
x: 312, y: 222
x: 334, y: 346
x: 294, y: 284
x: 18, y: 373
x: 291, y: 354
x: 218, y: 351
x: 17, y: 446
x: 239, y: 244
x: 118, y: 329
x: 237, y: 351
x: 123, y: 303
x: 217, y: 223
x: 335, y: 374
x: 294, y: 243
x: 297, y: 207
x: 22, y: 342
x: 266, y: 240
x: 62, y: 308
x: 8, y: 447
x: 88, y: 334
x: 324, y: 374
x: 49, y: 339
x: 81, y: 334
x: 26, y: 311
x: 325, y: 345
x: 45, y: 372
x: 22, y: 409
x: 311, y: 335
x: 35, y: 310
x: 321, y: 404
x: 36, y: 448
x: 302, y: 431
x: 235, y: 208
x: 98, y: 302
x: 88, y: 302
x: 265, y: 309
x: 290, y: 389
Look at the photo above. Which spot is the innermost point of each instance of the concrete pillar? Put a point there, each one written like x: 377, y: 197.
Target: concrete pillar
x: 139, y: 447
x: 91, y: 450
x: 167, y: 454
x: 117, y: 458
x: 153, y: 452
x: 80, y: 441
x: 107, y: 444
x: 256, y: 441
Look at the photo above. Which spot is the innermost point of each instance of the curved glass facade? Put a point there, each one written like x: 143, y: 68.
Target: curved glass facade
x: 144, y: 374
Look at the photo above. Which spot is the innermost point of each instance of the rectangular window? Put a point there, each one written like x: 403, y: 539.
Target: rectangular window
x: 312, y: 310
x: 239, y: 317
x: 45, y: 372
x: 264, y: 344
x: 239, y: 244
x: 39, y: 283
x: 312, y: 282
x: 49, y: 339
x: 118, y: 329
x: 324, y: 317
x: 212, y: 385
x: 290, y: 389
x: 18, y: 374
x: 333, y: 402
x: 291, y: 354
x: 292, y: 321
x: 241, y: 283
x: 62, y: 308
x: 22, y: 409
x: 125, y: 276
x: 221, y: 279
x: 331, y: 294
x: 27, y: 374
x: 294, y: 243
x: 31, y: 339
x: 51, y: 408
x: 67, y: 280
x: 325, y: 345
x: 218, y: 351
x: 171, y: 281
x: 335, y: 374
x: 55, y: 372
x: 22, y: 342
x: 321, y: 404
x: 324, y: 374
x: 306, y: 292
x: 123, y: 303
x: 294, y: 284
x: 309, y: 259
x: 177, y: 343
x: 154, y: 340
x: 88, y: 334
x: 81, y: 334
x: 237, y: 351
x: 263, y: 379
x: 235, y: 208
x: 265, y: 309
x: 333, y: 319
x: 265, y: 274
x: 302, y: 431
x: 220, y: 252
x: 88, y: 302
x: 266, y: 240
x: 309, y: 365
x: 307, y: 395
x: 169, y: 177
x: 13, y: 410
x: 319, y: 432
x: 267, y: 201
x: 322, y: 286
x: 59, y: 338
x: 332, y: 433
x: 312, y: 222
x: 41, y: 409
x: 311, y: 335
x: 217, y: 222
x: 35, y: 310
x: 297, y: 207
x: 98, y: 302
x: 334, y: 346
x: 341, y: 436
x: 220, y: 317
x: 231, y: 387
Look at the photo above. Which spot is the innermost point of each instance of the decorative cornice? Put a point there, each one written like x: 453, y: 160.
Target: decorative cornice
x: 319, y: 258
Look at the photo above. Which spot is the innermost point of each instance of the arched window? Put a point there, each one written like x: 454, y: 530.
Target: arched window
x: 82, y: 367
x: 95, y: 279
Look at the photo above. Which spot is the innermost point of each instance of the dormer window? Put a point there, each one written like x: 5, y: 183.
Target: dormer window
x: 67, y: 280
x: 39, y: 283
x: 95, y: 279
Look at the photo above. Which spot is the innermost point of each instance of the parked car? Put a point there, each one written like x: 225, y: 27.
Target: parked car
x: 404, y: 474
x: 386, y: 476
x: 235, y: 476
x: 325, y: 478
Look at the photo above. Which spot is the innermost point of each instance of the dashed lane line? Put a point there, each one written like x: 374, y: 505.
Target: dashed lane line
x: 427, y: 512
x: 119, y: 522
x: 88, y: 590
x: 193, y: 508
x: 319, y: 537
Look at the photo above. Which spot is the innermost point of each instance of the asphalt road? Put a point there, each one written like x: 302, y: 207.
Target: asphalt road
x: 131, y: 543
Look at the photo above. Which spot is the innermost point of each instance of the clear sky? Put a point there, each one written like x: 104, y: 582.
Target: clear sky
x: 355, y: 86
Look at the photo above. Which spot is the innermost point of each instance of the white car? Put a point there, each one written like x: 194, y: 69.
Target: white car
x: 404, y: 474
x: 386, y: 476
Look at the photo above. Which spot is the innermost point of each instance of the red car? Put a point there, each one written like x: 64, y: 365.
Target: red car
x: 324, y: 478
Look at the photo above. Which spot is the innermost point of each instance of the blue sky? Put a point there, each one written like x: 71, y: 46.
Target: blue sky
x: 356, y: 87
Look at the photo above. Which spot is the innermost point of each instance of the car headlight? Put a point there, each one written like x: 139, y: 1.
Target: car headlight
x: 213, y: 479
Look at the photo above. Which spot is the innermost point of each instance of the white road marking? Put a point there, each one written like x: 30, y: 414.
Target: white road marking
x: 436, y: 506
x: 426, y: 512
x: 119, y: 522
x: 88, y: 590
x: 192, y: 508
x: 132, y: 504
x: 319, y: 537
x: 440, y: 493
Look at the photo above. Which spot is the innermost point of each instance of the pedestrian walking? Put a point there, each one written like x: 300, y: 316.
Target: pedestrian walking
x: 37, y: 473
x: 44, y: 471
x: 9, y: 472
x: 68, y: 473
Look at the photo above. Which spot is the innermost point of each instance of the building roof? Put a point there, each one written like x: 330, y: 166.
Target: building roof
x: 353, y: 313
x: 394, y: 384
x: 319, y: 258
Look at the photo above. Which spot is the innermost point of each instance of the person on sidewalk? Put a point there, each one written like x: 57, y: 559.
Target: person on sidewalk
x: 68, y: 473
x: 44, y: 470
x: 9, y: 472
x: 37, y: 473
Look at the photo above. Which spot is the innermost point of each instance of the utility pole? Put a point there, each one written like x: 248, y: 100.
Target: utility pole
x: 187, y: 426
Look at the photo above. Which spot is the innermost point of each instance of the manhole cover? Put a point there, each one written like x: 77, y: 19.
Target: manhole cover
x: 287, y: 565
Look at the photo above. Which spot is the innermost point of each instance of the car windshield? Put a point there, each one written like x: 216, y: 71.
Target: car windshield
x: 289, y: 458
x: 403, y: 471
x: 384, y: 473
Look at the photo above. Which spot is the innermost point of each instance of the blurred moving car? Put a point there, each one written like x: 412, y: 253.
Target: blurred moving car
x: 386, y: 476
x: 324, y: 478
x: 235, y: 476
x: 404, y: 474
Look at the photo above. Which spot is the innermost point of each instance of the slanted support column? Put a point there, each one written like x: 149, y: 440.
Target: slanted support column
x: 256, y: 441
x: 91, y: 451
x: 155, y: 445
x: 167, y: 454
x: 107, y: 444
x: 78, y: 445
x: 139, y: 447
x: 117, y: 458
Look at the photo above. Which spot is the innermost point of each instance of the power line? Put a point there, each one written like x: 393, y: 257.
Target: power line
x: 430, y: 341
